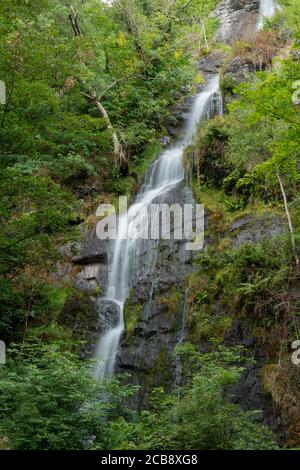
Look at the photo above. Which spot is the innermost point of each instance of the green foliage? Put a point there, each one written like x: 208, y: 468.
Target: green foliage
x: 205, y: 158
x: 131, y: 315
x: 266, y: 115
x: 55, y: 146
x: 72, y: 167
x: 170, y: 301
x: 141, y: 163
x: 49, y: 401
x: 140, y: 71
x: 138, y: 57
x: 201, y: 418
x: 228, y: 83
x: 251, y: 278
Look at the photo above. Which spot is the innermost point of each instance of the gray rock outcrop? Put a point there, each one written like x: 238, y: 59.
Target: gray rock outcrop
x: 237, y: 19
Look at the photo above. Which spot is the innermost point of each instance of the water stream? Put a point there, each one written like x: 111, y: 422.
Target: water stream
x: 267, y: 9
x: 133, y: 259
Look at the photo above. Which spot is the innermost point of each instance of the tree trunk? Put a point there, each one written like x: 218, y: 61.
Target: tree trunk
x: 118, y: 150
x: 204, y: 34
x: 73, y: 17
x: 288, y: 219
x: 119, y: 155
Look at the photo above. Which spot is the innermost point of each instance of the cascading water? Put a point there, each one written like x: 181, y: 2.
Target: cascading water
x: 267, y: 9
x: 128, y: 265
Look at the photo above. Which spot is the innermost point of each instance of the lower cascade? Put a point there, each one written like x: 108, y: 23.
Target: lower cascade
x: 267, y: 9
x: 133, y: 258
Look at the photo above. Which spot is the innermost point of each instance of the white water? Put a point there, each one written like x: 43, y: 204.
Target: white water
x: 128, y: 265
x: 267, y: 9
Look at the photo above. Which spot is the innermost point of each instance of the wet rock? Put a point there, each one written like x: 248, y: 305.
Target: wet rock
x: 238, y: 69
x: 148, y: 352
x: 212, y: 62
x: 255, y: 229
x: 240, y: 334
x: 248, y: 391
x: 108, y: 314
x: 172, y: 130
x: 91, y: 278
x: 178, y: 115
x: 80, y: 316
x: 91, y: 250
x: 237, y: 19
x: 249, y: 394
x: 165, y: 140
x: 82, y: 192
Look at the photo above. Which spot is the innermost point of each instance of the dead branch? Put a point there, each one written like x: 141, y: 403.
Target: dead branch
x: 73, y: 17
x: 119, y: 154
x: 288, y: 218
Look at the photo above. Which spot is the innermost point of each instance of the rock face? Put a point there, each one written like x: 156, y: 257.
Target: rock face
x: 154, y: 314
x: 239, y: 68
x: 255, y: 229
x: 85, y: 267
x: 237, y: 19
x: 108, y: 315
x: 248, y: 391
x: 178, y: 114
x: 85, y: 263
x: 91, y: 250
x: 212, y: 62
x: 155, y: 321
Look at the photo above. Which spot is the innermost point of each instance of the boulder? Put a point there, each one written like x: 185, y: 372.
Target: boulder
x: 238, y: 69
x: 165, y: 140
x: 91, y: 278
x: 212, y: 62
x: 108, y: 314
x: 255, y: 229
x: 91, y: 250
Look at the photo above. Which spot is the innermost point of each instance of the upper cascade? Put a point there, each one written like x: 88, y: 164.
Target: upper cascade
x: 267, y: 9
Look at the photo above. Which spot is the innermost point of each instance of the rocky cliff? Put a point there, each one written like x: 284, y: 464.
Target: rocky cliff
x: 237, y: 19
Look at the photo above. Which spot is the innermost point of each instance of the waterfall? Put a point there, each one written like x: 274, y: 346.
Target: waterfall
x: 132, y: 259
x: 267, y: 9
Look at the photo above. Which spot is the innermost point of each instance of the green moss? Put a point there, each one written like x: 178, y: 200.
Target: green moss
x: 79, y: 314
x: 170, y: 301
x: 162, y: 368
x: 215, y: 201
x: 140, y: 166
x: 221, y: 46
x: 96, y: 292
x: 211, y: 328
x: 56, y: 298
x: 131, y: 315
x: 228, y: 83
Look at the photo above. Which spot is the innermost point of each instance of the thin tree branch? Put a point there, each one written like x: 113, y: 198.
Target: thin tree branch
x: 288, y: 218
